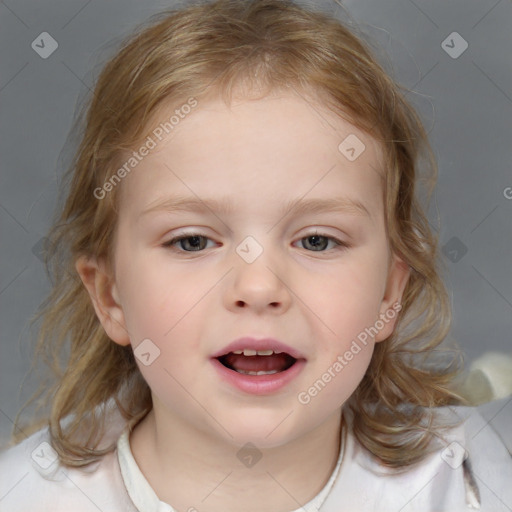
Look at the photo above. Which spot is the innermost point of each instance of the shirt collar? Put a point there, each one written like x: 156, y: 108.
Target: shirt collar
x: 145, y: 499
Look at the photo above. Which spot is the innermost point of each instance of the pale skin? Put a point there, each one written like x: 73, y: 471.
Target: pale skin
x: 259, y: 155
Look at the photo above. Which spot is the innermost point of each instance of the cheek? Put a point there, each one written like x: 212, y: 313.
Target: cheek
x: 350, y: 372
x: 155, y: 296
x: 337, y: 379
x: 168, y: 379
x: 355, y: 294
x: 162, y: 305
x: 172, y: 324
x: 347, y: 299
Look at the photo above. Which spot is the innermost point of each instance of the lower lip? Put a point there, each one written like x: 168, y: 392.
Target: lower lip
x: 259, y: 384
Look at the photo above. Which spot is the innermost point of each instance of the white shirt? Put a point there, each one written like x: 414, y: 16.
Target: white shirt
x: 32, y: 479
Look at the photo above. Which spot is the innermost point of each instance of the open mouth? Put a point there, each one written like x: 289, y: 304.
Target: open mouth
x: 257, y: 362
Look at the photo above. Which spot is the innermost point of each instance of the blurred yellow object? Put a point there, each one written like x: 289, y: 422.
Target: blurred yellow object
x: 489, y: 378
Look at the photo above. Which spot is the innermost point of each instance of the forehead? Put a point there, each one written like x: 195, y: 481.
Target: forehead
x: 257, y: 149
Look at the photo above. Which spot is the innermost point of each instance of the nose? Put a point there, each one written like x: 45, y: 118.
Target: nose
x: 259, y: 286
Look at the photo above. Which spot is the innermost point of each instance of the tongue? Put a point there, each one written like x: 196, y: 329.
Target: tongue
x: 275, y: 362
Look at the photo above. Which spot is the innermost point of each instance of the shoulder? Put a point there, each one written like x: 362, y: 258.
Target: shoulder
x: 479, y: 451
x: 470, y: 467
x: 482, y: 447
x: 32, y: 477
x: 482, y: 435
x: 497, y: 419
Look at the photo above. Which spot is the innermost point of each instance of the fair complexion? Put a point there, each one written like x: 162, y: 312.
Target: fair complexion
x: 258, y: 156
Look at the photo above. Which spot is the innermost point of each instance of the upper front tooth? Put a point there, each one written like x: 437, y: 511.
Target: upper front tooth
x: 265, y: 352
x: 251, y: 352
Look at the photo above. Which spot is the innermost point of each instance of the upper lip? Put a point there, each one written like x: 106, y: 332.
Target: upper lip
x: 258, y: 344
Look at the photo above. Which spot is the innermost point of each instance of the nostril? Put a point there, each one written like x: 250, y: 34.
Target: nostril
x: 242, y: 304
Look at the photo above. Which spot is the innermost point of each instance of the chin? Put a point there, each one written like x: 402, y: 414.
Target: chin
x: 263, y: 429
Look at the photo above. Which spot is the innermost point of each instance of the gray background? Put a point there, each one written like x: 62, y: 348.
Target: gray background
x: 466, y: 103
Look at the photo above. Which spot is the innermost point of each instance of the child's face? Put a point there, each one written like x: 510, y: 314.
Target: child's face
x: 256, y: 157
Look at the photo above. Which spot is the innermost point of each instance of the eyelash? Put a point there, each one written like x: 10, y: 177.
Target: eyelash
x: 169, y: 244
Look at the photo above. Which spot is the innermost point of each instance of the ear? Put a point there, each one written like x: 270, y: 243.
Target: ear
x: 104, y: 296
x: 398, y: 276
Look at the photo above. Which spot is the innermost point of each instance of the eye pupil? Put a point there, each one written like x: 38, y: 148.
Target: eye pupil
x: 195, y: 242
x: 318, y: 242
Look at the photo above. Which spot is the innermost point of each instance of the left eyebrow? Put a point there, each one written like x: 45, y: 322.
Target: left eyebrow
x: 225, y: 206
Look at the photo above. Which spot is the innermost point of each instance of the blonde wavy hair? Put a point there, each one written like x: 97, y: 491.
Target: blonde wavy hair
x: 214, y: 48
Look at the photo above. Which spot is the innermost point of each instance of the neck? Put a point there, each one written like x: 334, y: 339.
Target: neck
x: 190, y: 470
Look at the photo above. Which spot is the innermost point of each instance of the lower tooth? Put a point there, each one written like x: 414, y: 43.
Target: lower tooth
x: 256, y: 373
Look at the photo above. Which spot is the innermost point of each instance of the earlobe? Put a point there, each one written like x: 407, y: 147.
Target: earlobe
x: 398, y: 278
x: 104, y: 295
